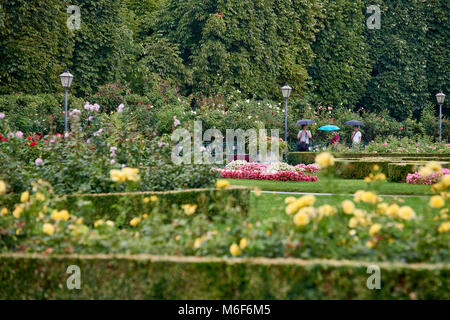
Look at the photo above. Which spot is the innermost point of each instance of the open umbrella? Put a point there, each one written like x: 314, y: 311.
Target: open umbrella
x: 305, y: 121
x: 329, y: 127
x: 354, y: 123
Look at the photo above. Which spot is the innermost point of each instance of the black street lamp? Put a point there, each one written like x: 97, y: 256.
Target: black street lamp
x: 66, y: 81
x: 286, y: 92
x: 440, y: 97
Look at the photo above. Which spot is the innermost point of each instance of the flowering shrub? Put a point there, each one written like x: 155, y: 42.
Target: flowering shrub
x: 406, y: 145
x: 81, y: 160
x: 276, y: 171
x: 418, y: 178
x: 311, y: 168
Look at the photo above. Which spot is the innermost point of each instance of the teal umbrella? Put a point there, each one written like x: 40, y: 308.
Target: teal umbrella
x: 329, y: 127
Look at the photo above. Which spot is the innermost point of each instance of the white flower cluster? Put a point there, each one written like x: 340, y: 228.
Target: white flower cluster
x: 233, y: 165
x: 92, y: 107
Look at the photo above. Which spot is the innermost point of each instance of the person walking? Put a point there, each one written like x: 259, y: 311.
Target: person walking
x: 356, y: 137
x: 303, y: 137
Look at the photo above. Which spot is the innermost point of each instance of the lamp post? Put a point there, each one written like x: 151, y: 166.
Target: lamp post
x: 286, y: 92
x: 440, y: 97
x: 66, y: 81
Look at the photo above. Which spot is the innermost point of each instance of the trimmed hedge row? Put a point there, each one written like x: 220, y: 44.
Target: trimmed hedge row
x: 40, y: 276
x: 361, y: 168
x: 295, y: 158
x: 110, y: 205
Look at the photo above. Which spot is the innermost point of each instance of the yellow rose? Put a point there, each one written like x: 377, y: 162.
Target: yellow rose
x: 189, y: 209
x: 367, y: 179
x: 4, y: 211
x: 234, y: 250
x: 48, y: 228
x: 436, y: 202
x: 292, y: 207
x: 353, y: 222
x: 382, y: 208
x: 131, y: 174
x: 352, y: 232
x: 40, y: 197
x: 135, y: 221
x: 243, y: 243
x: 289, y: 200
x: 18, y: 211
x: 406, y: 213
x: 380, y: 176
x: 98, y: 223
x: 301, y: 219
x: 24, y: 197
x: 2, y: 187
x: 445, y: 180
x: 110, y: 223
x: 444, y: 227
x: 358, y: 195
x: 370, y: 244
x: 434, y: 166
x: 153, y: 198
x: 325, y: 159
x: 392, y: 210
x: 146, y: 200
x: 116, y: 175
x: 309, y: 211
x: 327, y: 210
x: 60, y: 215
x: 307, y: 200
x: 425, y: 171
x: 376, y: 167
x: 222, y: 184
x: 369, y: 197
x: 348, y: 206
x: 79, y: 221
x: 198, y: 242
x: 374, y: 229
x: 399, y: 226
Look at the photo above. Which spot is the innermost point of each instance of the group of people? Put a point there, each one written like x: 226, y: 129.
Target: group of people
x: 304, y: 137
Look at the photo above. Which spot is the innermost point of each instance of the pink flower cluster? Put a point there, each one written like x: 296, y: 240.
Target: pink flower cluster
x: 416, y: 178
x: 311, y: 168
x: 258, y: 175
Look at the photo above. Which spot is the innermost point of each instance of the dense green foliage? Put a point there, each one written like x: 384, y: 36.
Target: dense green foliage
x: 224, y: 50
x: 35, y: 45
x: 138, y: 277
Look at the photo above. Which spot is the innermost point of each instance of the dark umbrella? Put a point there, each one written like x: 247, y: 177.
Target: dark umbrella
x: 305, y: 121
x: 354, y: 123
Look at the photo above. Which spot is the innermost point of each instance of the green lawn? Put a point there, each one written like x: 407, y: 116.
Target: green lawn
x: 339, y: 186
x: 269, y: 205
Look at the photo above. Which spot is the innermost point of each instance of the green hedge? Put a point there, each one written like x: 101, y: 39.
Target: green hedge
x: 361, y: 168
x: 39, y: 276
x: 295, y: 158
x: 110, y: 205
x: 397, y: 172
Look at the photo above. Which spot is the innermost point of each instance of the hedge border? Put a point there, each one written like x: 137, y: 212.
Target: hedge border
x: 143, y: 276
x: 295, y: 158
x: 234, y: 196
